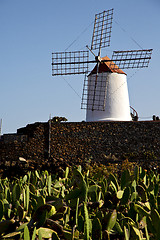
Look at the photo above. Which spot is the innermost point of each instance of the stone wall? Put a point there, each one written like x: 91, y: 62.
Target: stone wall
x: 77, y: 143
x: 105, y: 140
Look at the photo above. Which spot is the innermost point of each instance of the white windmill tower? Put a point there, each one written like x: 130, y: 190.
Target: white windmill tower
x: 110, y: 101
x: 105, y: 92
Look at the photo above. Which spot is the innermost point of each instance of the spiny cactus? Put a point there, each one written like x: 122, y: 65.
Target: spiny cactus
x: 81, y: 206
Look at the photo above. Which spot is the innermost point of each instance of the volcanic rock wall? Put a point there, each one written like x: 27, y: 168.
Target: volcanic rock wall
x: 77, y: 143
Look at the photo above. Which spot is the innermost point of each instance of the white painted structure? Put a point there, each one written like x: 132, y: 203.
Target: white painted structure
x: 111, y: 88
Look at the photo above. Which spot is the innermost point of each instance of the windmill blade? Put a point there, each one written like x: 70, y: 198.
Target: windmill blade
x: 131, y: 59
x: 102, y: 30
x: 66, y: 63
x: 101, y: 38
x: 94, y: 98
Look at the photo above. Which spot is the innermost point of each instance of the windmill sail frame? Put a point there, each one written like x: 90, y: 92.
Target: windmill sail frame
x: 131, y: 59
x: 102, y: 30
x: 67, y: 63
x: 91, y: 98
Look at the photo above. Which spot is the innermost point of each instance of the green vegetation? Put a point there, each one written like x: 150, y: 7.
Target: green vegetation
x: 81, y: 205
x: 59, y: 119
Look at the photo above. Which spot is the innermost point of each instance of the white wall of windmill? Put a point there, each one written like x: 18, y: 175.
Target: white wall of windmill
x: 111, y: 88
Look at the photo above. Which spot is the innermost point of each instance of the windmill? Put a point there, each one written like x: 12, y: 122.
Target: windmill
x: 105, y: 92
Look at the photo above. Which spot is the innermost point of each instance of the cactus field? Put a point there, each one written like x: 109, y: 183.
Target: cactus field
x: 81, y: 205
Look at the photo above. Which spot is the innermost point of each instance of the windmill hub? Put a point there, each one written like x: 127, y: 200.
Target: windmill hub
x: 98, y: 58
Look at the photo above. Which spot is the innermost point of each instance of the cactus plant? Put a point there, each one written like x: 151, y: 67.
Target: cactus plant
x: 81, y: 205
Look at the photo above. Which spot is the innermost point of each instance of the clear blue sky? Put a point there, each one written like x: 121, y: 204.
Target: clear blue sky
x: 30, y: 30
